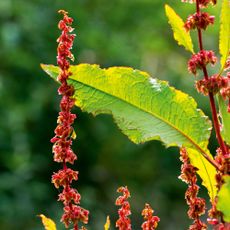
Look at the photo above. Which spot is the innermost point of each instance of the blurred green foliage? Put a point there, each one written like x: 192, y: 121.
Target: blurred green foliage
x: 119, y: 32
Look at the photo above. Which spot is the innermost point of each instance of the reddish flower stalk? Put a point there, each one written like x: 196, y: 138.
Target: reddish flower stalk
x: 200, y: 20
x: 202, y: 3
x: 196, y: 204
x: 215, y: 84
x: 210, y: 85
x: 123, y: 223
x: 151, y: 222
x: 211, y: 97
x: 63, y: 153
x: 200, y: 60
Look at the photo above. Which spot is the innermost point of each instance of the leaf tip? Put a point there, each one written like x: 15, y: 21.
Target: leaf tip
x: 107, y: 224
x: 47, y: 222
x: 166, y: 6
x: 167, y: 9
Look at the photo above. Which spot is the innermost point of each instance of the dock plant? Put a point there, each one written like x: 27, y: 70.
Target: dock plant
x: 146, y: 108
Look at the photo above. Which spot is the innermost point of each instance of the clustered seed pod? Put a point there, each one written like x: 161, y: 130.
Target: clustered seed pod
x: 123, y: 223
x: 199, y: 20
x: 196, y: 204
x: 209, y: 85
x: 202, y: 3
x: 200, y: 60
x: 214, y: 84
x: 151, y: 222
x: 63, y: 153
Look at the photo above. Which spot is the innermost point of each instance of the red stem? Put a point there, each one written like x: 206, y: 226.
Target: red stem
x: 211, y: 97
x: 64, y: 165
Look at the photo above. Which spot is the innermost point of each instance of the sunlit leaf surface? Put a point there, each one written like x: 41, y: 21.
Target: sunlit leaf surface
x: 48, y: 223
x: 144, y: 109
x: 180, y: 34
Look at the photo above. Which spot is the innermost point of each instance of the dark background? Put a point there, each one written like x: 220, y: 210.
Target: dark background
x: 118, y: 32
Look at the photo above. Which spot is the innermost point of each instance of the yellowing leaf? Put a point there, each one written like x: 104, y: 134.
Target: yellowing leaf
x: 107, y: 224
x: 180, y: 34
x: 48, y: 223
x: 205, y: 170
x: 223, y: 203
x: 224, y: 42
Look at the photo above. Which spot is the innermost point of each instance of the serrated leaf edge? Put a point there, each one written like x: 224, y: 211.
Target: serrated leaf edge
x: 188, y: 45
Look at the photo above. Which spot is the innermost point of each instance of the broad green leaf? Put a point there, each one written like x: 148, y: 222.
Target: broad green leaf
x: 223, y: 203
x: 48, y: 223
x: 224, y: 42
x: 107, y: 224
x: 225, y: 119
x: 144, y: 109
x: 180, y: 34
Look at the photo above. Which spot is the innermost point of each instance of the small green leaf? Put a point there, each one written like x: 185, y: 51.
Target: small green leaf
x: 224, y: 41
x: 180, y: 34
x: 48, y: 223
x: 223, y: 203
x: 144, y: 109
x: 225, y: 119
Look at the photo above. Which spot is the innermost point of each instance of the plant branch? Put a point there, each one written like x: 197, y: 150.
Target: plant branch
x: 211, y: 97
x: 209, y: 159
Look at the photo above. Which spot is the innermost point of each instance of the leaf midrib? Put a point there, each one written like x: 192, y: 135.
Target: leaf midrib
x: 159, y: 118
x: 169, y: 124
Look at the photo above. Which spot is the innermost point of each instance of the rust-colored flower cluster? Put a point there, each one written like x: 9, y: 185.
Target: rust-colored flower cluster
x: 124, y: 222
x: 225, y: 91
x: 63, y: 153
x: 196, y: 204
x: 199, y: 20
x: 200, y: 60
x: 151, y: 222
x: 209, y: 86
x: 202, y: 3
x: 214, y: 84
